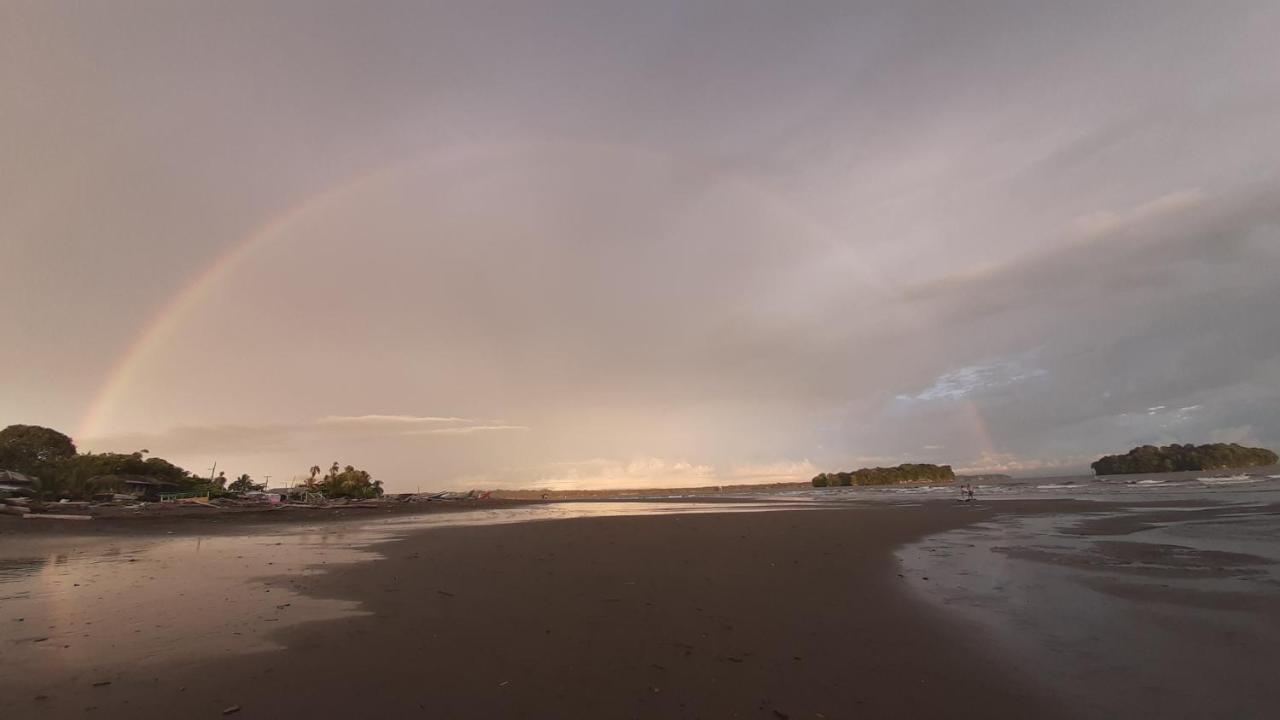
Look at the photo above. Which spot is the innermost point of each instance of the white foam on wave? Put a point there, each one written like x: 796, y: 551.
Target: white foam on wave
x: 1231, y: 480
x: 1056, y: 486
x: 1151, y: 482
x: 922, y: 489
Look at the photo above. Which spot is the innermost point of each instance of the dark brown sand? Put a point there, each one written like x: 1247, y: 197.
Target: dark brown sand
x: 798, y: 614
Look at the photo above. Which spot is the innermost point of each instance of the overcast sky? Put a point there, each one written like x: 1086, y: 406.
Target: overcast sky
x: 593, y: 244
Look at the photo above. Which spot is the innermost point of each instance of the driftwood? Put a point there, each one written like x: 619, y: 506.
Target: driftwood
x: 52, y: 516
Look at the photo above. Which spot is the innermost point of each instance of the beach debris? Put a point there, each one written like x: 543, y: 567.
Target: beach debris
x: 102, y: 683
x: 231, y: 710
x: 504, y: 683
x: 54, y: 516
x: 445, y: 593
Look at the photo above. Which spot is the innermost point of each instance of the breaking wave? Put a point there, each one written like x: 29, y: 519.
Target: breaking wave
x: 1231, y: 480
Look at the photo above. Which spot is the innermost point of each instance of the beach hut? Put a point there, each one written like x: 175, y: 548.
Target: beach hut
x: 138, y: 486
x: 293, y: 494
x: 14, y: 483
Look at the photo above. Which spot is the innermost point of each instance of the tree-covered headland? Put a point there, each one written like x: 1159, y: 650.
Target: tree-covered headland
x: 1174, y: 458
x: 62, y: 472
x: 909, y: 472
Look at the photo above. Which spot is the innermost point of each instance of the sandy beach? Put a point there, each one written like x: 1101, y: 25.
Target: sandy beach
x: 805, y: 611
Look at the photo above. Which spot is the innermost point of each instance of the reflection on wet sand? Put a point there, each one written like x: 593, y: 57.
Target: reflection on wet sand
x: 74, y: 607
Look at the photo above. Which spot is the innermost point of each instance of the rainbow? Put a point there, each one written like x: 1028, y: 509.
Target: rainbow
x: 170, y: 316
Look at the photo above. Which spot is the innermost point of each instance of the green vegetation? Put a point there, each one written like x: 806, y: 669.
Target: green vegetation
x: 244, y: 484
x: 346, y: 482
x: 30, y: 449
x: 1173, y: 458
x: 51, y: 457
x: 910, y: 472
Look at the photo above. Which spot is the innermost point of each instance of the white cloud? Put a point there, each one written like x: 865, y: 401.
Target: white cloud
x: 1158, y: 416
x: 417, y: 424
x: 773, y: 472
x: 963, y: 382
x: 467, y: 430
x: 641, y: 472
x: 1106, y: 222
x: 388, y: 419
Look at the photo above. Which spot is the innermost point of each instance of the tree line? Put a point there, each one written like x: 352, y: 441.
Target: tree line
x: 1174, y: 458
x: 343, y: 482
x: 908, y: 472
x: 52, y: 458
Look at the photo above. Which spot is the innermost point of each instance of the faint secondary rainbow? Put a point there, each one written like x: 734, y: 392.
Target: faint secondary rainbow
x: 170, y: 315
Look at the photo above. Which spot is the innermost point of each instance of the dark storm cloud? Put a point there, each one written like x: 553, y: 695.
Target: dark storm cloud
x: 1171, y: 309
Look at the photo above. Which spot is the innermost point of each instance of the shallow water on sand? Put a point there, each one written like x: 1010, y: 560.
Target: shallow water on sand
x: 1153, y: 609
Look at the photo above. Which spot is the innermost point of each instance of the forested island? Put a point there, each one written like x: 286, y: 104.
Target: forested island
x: 1174, y: 458
x: 909, y: 472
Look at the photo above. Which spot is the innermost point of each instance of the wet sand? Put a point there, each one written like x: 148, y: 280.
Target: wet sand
x: 779, y: 614
x: 161, y: 519
x: 935, y: 609
x: 1164, y: 609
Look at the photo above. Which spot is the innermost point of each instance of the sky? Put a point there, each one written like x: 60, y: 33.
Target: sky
x: 593, y: 244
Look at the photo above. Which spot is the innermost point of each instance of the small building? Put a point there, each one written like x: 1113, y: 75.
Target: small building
x: 14, y: 483
x: 292, y: 494
x: 139, y: 486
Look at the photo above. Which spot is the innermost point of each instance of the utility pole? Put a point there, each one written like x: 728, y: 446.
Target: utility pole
x: 268, y: 482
